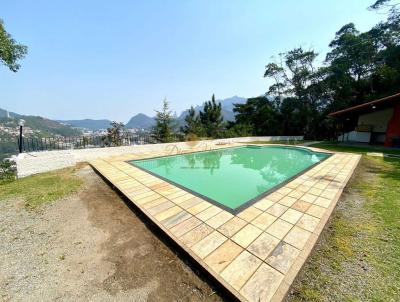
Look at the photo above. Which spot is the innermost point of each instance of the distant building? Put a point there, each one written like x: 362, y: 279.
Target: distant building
x: 376, y: 122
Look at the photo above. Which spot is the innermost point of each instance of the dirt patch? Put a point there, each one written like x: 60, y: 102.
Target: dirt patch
x: 90, y: 246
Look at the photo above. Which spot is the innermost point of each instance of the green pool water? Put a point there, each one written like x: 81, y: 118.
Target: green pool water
x: 232, y: 178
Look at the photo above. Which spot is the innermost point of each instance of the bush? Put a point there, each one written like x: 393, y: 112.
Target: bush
x: 8, y: 171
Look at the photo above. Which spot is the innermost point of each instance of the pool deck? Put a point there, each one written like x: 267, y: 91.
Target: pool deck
x: 255, y: 254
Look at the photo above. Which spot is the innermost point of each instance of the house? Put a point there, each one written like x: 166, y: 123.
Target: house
x: 375, y: 122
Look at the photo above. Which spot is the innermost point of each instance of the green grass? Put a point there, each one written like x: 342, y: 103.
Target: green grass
x: 42, y: 188
x: 358, y: 255
x: 354, y: 149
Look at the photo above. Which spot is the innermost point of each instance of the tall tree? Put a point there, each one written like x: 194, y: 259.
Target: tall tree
x: 211, y: 118
x: 114, y: 133
x: 10, y: 50
x: 193, y: 124
x: 163, y: 129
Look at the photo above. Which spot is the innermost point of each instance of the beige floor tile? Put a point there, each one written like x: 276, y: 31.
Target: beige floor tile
x: 263, y: 245
x: 231, y: 227
x: 208, y: 213
x: 308, y: 198
x: 192, y: 237
x: 167, y: 213
x: 240, y: 269
x: 262, y: 285
x: 158, y: 208
x: 223, y: 255
x: 301, y: 206
x: 279, y: 228
x: 185, y: 226
x: 308, y: 222
x: 264, y: 204
x: 323, y: 202
x: 315, y: 191
x: 275, y: 196
x: 219, y: 219
x: 277, y: 210
x: 316, y: 211
x: 176, y: 219
x: 292, y: 216
x: 199, y: 207
x: 296, y: 194
x: 190, y: 202
x: 282, y: 257
x: 297, y: 237
x: 249, y: 214
x: 287, y: 201
x: 208, y: 244
x: 246, y: 235
x: 263, y: 221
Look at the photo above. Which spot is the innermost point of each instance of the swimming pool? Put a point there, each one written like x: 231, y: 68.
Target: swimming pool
x: 233, y: 178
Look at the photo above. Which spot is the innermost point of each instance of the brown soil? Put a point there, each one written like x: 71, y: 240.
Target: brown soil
x: 91, y: 246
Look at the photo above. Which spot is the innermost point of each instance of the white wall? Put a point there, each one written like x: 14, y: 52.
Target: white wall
x: 38, y: 162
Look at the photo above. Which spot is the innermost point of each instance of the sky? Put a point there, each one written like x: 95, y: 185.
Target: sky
x: 114, y: 59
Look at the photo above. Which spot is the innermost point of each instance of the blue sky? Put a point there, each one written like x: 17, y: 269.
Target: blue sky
x: 113, y: 59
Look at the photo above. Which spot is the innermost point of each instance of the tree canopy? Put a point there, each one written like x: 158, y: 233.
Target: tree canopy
x: 10, y: 51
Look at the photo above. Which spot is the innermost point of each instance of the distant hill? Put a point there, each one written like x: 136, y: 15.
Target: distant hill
x: 140, y: 121
x: 227, y: 108
x: 87, y: 123
x: 45, y: 126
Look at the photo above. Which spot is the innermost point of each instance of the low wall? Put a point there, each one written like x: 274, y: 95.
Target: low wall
x: 44, y: 161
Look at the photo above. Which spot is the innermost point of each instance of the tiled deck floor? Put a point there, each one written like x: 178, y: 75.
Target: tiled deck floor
x: 255, y: 254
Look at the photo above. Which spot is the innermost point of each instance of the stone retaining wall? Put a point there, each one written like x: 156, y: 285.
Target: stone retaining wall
x: 38, y: 162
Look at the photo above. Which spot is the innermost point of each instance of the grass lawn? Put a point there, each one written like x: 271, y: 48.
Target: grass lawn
x: 357, y: 257
x: 41, y: 188
x: 354, y: 149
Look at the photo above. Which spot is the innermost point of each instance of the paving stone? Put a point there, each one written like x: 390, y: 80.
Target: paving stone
x: 208, y: 213
x: 301, y: 206
x: 231, y: 227
x: 174, y: 220
x: 291, y: 215
x: 287, y: 201
x: 308, y: 198
x: 263, y: 221
x: 323, y: 202
x: 296, y: 194
x: 275, y: 196
x: 161, y: 207
x: 249, y: 214
x: 192, y: 237
x: 208, y: 244
x: 246, y: 235
x: 279, y: 228
x: 223, y: 255
x: 263, y: 245
x: 219, y: 219
x: 190, y: 202
x: 297, y: 237
x: 282, y: 257
x: 167, y: 213
x: 262, y: 285
x: 316, y: 211
x: 277, y: 210
x: 199, y: 207
x: 185, y: 226
x: 240, y: 269
x: 264, y: 204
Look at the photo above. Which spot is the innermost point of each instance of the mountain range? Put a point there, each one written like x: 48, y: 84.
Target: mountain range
x: 144, y: 121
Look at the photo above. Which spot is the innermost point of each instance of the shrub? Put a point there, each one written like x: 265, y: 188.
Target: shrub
x: 8, y: 171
